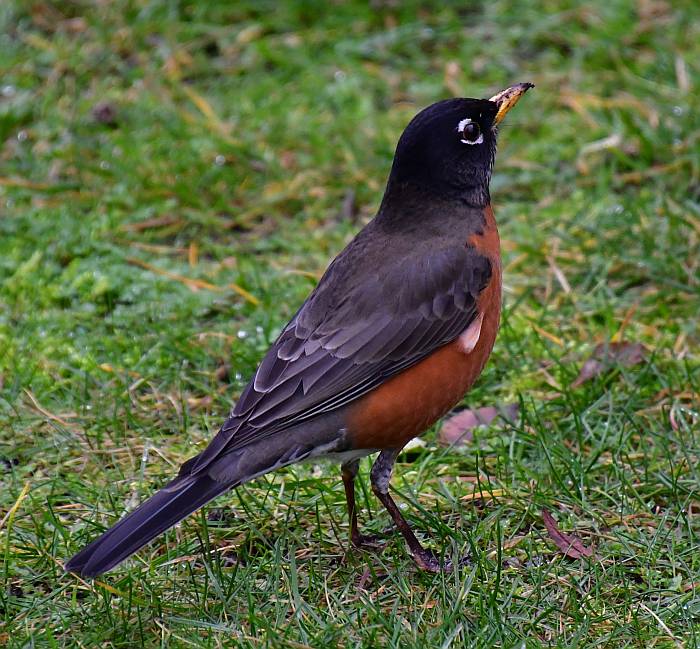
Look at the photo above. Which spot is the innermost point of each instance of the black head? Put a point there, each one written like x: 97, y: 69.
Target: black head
x: 448, y: 149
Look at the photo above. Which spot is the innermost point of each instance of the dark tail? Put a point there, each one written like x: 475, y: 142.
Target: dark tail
x: 171, y: 504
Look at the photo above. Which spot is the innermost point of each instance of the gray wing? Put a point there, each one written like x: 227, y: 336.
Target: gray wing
x: 346, y: 340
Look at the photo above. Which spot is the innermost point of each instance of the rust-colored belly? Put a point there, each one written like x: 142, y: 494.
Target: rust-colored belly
x: 408, y: 403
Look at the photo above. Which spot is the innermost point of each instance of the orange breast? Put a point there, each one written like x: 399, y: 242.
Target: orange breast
x: 408, y: 403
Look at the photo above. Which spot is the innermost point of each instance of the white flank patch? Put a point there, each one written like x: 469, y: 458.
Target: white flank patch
x: 470, y: 336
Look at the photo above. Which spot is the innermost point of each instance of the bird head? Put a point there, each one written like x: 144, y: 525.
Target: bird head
x: 449, y: 148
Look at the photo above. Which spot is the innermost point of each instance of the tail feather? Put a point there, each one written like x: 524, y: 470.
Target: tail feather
x: 171, y: 504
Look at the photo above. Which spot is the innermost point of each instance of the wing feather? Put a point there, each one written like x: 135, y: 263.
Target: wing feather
x: 346, y: 340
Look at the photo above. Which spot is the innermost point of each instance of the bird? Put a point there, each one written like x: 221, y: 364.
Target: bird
x: 392, y: 337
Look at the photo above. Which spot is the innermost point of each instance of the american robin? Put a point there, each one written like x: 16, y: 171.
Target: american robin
x: 396, y: 332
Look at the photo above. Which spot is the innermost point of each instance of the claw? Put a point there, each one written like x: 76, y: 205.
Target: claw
x: 367, y: 542
x: 427, y: 560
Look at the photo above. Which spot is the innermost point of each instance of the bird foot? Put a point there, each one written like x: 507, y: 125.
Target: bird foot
x: 367, y: 542
x: 430, y: 562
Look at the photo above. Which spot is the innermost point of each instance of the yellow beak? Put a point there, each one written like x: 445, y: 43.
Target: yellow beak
x: 507, y: 98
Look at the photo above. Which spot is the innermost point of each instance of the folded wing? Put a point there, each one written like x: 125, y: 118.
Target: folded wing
x: 346, y: 340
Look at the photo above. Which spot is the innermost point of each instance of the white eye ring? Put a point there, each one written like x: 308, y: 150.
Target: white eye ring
x: 460, y: 128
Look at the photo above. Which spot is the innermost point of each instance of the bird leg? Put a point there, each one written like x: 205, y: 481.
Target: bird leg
x: 349, y: 473
x: 380, y: 476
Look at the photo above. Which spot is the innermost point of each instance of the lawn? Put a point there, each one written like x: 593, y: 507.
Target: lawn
x: 174, y: 178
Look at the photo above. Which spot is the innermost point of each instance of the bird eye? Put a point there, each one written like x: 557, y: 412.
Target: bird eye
x: 469, y: 132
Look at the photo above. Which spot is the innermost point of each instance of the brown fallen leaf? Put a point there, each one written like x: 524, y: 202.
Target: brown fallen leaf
x: 155, y: 222
x: 570, y: 545
x: 484, y: 495
x: 223, y: 372
x: 105, y: 113
x: 193, y: 254
x: 364, y: 578
x: 458, y: 428
x: 606, y: 356
x: 371, y: 582
x: 195, y: 403
x: 77, y: 25
x: 671, y: 417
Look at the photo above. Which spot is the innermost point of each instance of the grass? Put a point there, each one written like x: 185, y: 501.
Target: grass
x: 174, y: 176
